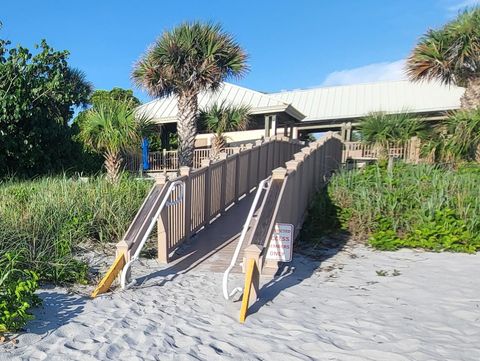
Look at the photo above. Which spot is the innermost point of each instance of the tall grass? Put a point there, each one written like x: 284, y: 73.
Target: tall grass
x: 415, y: 206
x: 49, y: 219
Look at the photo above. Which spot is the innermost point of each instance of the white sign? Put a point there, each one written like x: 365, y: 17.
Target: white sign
x: 281, y: 243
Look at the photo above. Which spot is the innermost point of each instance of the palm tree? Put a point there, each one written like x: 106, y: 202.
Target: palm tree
x: 458, y: 139
x: 381, y: 129
x: 111, y: 129
x: 221, y: 118
x: 185, y: 61
x: 452, y: 56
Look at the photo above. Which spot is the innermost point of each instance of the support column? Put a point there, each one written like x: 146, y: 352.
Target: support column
x: 267, y: 126
x: 273, y: 131
x: 295, y: 133
x: 343, y: 131
x: 348, y: 136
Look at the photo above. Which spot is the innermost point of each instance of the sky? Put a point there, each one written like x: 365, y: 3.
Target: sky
x: 291, y: 44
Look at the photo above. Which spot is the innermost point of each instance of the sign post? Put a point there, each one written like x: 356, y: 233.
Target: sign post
x: 281, y: 244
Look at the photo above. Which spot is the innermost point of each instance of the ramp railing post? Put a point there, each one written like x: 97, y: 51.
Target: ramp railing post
x: 162, y: 236
x: 185, y: 172
x: 223, y: 185
x: 208, y: 187
x: 236, y: 154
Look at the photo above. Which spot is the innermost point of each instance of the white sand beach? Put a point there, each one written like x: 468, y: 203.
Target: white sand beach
x: 426, y: 306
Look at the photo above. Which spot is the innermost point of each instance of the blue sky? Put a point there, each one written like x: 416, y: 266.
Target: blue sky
x: 291, y: 44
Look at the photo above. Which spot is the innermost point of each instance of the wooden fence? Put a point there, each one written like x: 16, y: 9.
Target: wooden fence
x: 167, y: 160
x: 301, y: 178
x: 357, y: 151
x: 289, y: 195
x: 215, y: 186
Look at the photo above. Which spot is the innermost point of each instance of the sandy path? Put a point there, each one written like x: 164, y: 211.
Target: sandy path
x: 342, y: 311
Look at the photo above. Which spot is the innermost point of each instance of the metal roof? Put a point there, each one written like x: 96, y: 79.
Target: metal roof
x: 164, y: 110
x: 353, y: 101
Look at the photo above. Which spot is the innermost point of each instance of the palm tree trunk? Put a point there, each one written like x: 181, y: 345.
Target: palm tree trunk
x: 471, y: 98
x: 218, y: 145
x: 113, y: 162
x: 186, y: 128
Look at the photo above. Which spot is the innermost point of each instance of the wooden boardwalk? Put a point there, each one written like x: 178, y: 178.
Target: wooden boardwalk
x: 212, y: 248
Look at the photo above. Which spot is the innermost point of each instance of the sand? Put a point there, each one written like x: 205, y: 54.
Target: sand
x: 356, y: 305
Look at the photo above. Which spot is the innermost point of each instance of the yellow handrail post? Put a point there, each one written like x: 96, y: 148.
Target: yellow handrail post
x: 251, y: 275
x: 112, y: 273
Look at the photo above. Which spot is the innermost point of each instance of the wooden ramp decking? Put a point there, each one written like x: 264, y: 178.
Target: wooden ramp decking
x: 212, y: 248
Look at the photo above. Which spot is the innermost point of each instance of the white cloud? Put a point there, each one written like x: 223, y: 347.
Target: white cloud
x: 366, y: 74
x: 457, y: 6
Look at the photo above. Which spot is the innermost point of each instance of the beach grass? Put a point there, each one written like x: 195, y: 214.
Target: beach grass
x: 48, y: 220
x: 415, y: 206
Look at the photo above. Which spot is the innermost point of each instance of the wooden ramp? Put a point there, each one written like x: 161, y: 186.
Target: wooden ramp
x: 212, y: 248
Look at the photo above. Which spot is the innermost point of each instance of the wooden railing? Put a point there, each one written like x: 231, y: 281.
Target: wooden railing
x: 358, y: 151
x: 288, y: 197
x: 167, y: 160
x: 215, y: 186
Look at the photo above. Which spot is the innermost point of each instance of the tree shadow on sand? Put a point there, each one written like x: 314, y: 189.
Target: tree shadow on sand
x: 57, y: 309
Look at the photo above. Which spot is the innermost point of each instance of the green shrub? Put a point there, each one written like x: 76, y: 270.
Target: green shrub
x: 51, y: 219
x: 17, y: 293
x: 420, y: 206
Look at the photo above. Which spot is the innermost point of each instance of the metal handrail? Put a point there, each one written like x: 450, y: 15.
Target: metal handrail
x: 165, y: 202
x: 263, y: 185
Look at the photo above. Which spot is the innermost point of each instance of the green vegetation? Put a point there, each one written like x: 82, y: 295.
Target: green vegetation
x: 17, y: 293
x: 221, y: 118
x: 457, y: 139
x: 112, y: 128
x: 49, y: 220
x: 417, y: 206
x: 37, y: 95
x: 382, y: 129
x: 183, y: 62
x: 451, y: 55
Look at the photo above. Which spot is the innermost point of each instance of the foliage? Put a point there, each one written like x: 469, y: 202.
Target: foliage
x: 222, y: 117
x: 190, y: 58
x: 382, y: 129
x: 48, y: 220
x: 99, y: 97
x: 112, y: 128
x: 457, y: 139
x: 37, y: 96
x: 451, y: 55
x: 17, y: 293
x: 422, y: 206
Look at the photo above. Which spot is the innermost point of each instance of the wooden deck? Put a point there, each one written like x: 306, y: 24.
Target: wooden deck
x: 212, y: 248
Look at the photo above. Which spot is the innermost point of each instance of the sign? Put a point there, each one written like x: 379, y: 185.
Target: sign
x: 281, y: 243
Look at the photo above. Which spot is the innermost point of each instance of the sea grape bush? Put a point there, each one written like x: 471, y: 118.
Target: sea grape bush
x: 17, y: 293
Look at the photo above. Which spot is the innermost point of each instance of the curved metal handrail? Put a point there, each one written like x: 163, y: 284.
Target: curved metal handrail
x: 165, y: 202
x: 263, y: 185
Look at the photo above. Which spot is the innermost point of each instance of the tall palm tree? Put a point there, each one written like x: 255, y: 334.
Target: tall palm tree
x: 221, y: 118
x: 185, y: 61
x: 111, y: 129
x: 451, y: 55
